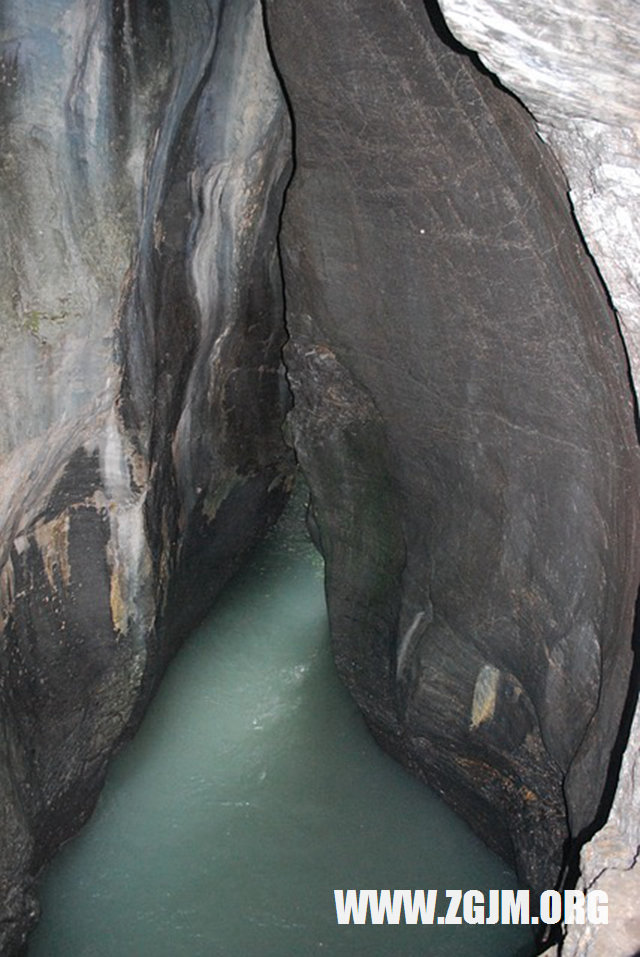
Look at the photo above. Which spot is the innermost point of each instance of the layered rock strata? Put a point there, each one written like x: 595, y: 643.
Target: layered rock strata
x: 463, y: 416
x: 145, y: 148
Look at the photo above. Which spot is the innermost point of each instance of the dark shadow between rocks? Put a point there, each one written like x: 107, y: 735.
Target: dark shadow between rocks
x: 442, y: 30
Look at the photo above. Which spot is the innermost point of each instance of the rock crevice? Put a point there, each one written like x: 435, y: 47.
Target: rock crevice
x: 457, y: 397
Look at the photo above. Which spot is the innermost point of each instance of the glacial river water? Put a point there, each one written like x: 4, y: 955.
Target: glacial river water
x: 250, y: 793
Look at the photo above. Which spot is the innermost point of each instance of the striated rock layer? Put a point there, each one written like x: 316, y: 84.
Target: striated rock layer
x: 576, y: 66
x: 463, y: 416
x: 145, y: 148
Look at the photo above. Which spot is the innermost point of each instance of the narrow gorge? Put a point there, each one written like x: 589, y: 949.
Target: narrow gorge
x: 241, y: 238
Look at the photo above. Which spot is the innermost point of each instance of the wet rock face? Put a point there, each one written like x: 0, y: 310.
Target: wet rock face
x: 464, y: 419
x: 145, y: 151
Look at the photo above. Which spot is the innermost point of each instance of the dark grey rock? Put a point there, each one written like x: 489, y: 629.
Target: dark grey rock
x: 462, y: 409
x: 546, y: 54
x: 145, y: 149
x: 464, y: 419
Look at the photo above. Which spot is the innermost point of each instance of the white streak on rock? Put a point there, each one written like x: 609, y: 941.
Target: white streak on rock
x: 406, y: 642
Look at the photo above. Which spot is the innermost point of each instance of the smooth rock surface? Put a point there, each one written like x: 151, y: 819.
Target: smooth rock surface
x: 463, y: 417
x: 145, y: 150
x: 462, y: 409
x: 576, y: 66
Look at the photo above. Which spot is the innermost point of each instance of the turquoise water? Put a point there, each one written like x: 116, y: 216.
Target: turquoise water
x: 252, y: 790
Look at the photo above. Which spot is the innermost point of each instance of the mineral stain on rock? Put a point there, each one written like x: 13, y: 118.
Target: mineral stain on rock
x: 145, y: 152
x: 485, y: 690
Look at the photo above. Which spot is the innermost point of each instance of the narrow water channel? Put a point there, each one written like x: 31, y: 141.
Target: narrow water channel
x: 252, y: 790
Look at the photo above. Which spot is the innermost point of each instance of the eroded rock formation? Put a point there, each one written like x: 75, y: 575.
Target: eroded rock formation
x: 462, y: 407
x: 577, y: 68
x: 463, y: 416
x: 145, y: 148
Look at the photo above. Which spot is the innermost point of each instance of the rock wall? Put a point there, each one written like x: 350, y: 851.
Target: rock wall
x: 463, y: 416
x: 576, y: 66
x: 462, y: 408
x: 145, y: 149
x: 609, y: 863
